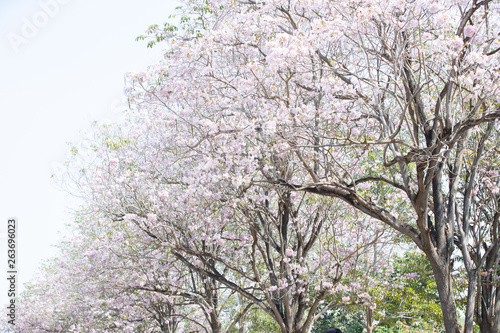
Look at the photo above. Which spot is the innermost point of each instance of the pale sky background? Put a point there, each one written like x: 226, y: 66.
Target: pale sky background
x: 54, y: 81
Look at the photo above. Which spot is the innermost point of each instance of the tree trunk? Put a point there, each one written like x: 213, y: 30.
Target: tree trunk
x: 471, y: 302
x: 240, y: 320
x: 369, y: 320
x: 490, y: 287
x: 240, y: 326
x: 490, y: 316
x: 215, y: 325
x: 442, y: 274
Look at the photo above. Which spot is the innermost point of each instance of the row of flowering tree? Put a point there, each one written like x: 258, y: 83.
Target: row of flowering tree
x: 263, y: 113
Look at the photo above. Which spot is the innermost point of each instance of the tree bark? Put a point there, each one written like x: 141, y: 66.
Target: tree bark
x: 490, y: 309
x: 441, y: 270
x: 369, y: 320
x: 471, y: 302
x: 240, y: 319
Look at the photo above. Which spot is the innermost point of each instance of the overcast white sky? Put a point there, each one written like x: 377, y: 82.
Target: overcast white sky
x: 56, y: 77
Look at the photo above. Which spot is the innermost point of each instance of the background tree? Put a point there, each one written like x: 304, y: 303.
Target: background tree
x: 478, y: 235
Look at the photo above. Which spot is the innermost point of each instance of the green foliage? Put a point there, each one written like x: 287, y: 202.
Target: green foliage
x: 190, y: 23
x: 261, y: 322
x: 344, y: 318
x: 417, y: 300
x: 157, y: 35
x: 403, y: 327
x: 419, y: 297
x: 407, y: 302
x: 115, y: 143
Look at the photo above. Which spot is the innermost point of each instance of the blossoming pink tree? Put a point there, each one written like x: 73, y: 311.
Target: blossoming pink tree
x: 349, y: 95
x: 113, y: 277
x: 74, y: 293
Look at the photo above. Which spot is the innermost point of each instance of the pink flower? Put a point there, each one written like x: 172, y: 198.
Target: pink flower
x: 129, y: 217
x: 470, y: 31
x: 456, y: 43
x: 434, y: 8
x: 411, y: 275
x: 364, y: 186
x: 364, y: 295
